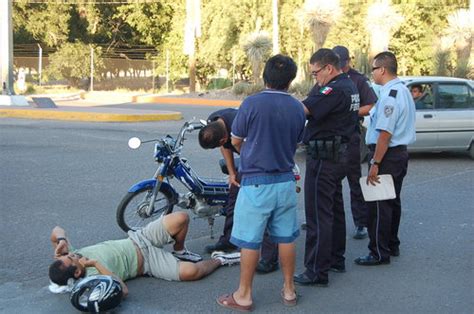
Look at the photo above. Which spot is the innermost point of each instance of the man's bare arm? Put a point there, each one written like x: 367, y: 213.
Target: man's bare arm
x: 229, y: 161
x: 59, y: 241
x: 364, y: 110
x: 237, y: 143
x: 380, y: 150
x: 103, y: 271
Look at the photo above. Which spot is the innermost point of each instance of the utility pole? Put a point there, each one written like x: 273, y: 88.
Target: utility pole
x: 40, y: 63
x: 92, y: 70
x: 7, y: 96
x: 6, y: 46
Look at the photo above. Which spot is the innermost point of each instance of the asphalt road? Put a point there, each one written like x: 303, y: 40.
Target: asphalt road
x: 74, y: 174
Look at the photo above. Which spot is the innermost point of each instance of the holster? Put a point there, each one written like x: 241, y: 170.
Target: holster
x: 326, y: 149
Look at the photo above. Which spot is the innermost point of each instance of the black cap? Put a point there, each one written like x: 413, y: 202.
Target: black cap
x: 343, y: 54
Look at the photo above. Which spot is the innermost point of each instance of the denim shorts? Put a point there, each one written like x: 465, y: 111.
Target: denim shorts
x: 261, y: 207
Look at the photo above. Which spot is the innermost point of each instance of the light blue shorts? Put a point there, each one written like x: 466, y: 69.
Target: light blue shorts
x: 265, y: 206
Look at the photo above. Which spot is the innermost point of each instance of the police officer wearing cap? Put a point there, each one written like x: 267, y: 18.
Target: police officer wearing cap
x: 331, y: 107
x: 367, y: 101
x: 391, y: 129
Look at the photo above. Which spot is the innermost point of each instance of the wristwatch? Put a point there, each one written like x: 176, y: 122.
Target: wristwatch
x: 373, y: 162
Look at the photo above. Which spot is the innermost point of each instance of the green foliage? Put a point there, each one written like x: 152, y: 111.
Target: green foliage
x: 219, y: 83
x: 246, y: 89
x: 72, y: 62
x: 301, y: 89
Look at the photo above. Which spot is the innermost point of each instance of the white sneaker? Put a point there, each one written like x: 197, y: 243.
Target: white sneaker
x: 228, y: 259
x: 188, y: 256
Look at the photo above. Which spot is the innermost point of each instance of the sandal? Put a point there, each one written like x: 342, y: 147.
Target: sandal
x: 228, y: 301
x: 288, y: 302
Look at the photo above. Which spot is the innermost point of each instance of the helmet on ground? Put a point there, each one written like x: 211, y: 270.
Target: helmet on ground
x: 96, y: 294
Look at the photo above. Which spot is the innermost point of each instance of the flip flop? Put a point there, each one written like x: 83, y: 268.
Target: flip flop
x: 228, y: 301
x: 288, y: 302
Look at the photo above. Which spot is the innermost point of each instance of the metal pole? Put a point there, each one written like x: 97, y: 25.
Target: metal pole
x: 6, y: 47
x: 167, y: 70
x: 233, y: 67
x: 40, y: 63
x: 153, y: 76
x: 92, y: 70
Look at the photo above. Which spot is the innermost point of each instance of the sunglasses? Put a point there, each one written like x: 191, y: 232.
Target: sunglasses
x: 375, y: 68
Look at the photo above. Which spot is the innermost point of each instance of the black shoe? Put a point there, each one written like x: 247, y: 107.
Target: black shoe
x: 370, y: 260
x: 360, y: 233
x: 303, y: 280
x: 219, y: 246
x: 395, y: 252
x: 338, y: 268
x: 265, y: 267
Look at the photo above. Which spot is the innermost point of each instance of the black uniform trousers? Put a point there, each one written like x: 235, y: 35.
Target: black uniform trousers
x: 326, y: 225
x: 384, y: 216
x: 229, y: 213
x: 358, y: 205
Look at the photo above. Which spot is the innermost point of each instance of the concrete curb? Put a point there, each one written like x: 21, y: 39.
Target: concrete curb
x: 88, y: 116
x: 185, y: 101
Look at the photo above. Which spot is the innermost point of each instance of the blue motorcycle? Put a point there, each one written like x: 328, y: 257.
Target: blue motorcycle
x: 150, y: 199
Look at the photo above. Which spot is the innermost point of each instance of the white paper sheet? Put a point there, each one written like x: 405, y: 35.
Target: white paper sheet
x: 385, y: 190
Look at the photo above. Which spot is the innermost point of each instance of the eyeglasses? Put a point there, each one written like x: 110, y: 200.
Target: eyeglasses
x: 375, y: 68
x: 314, y: 73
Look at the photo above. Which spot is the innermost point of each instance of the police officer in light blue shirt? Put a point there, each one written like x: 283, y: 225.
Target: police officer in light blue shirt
x: 391, y: 129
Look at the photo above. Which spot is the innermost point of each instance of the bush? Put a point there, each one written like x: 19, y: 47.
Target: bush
x: 246, y: 89
x: 219, y: 83
x: 301, y: 89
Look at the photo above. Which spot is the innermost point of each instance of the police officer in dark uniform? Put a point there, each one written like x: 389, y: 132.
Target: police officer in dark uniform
x: 367, y: 101
x: 332, y: 109
x: 217, y: 134
x: 391, y: 129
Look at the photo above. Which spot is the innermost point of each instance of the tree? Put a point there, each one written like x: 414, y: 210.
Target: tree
x: 72, y: 62
x: 319, y: 16
x: 460, y: 33
x: 257, y: 47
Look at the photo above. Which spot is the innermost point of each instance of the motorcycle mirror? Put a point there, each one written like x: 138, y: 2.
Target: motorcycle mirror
x: 203, y: 122
x: 134, y: 142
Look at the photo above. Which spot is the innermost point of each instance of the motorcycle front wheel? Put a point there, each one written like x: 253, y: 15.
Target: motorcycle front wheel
x: 132, y: 212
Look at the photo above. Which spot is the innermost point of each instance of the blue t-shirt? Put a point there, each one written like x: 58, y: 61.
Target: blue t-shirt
x: 271, y: 124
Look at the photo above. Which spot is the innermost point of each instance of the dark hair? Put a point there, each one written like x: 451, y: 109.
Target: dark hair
x: 418, y: 86
x: 211, y: 135
x: 60, y: 274
x: 279, y: 71
x: 387, y: 60
x: 324, y: 57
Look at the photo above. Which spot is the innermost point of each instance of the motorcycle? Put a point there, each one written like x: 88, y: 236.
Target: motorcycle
x: 150, y: 199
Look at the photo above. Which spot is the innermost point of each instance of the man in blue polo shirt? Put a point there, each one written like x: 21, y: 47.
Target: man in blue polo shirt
x: 266, y: 131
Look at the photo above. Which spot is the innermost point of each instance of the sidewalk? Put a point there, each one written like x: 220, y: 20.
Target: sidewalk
x: 92, y: 107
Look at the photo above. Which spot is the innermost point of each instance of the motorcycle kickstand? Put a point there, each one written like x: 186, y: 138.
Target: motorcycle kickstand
x: 210, y: 221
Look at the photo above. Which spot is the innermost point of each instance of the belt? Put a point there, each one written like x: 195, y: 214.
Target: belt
x: 399, y: 147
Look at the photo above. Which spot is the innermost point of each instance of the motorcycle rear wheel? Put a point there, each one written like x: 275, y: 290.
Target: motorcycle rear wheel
x: 131, y: 212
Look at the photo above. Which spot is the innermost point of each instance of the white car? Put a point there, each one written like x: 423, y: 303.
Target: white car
x: 444, y: 114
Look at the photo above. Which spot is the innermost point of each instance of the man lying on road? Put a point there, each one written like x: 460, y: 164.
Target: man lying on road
x: 140, y: 254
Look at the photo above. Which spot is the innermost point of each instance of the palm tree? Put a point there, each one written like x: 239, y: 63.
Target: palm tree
x: 460, y: 35
x: 319, y: 16
x: 257, y: 48
x: 276, y: 46
x: 382, y: 20
x: 192, y: 30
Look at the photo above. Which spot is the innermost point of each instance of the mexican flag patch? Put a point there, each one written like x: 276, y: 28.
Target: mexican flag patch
x: 325, y: 90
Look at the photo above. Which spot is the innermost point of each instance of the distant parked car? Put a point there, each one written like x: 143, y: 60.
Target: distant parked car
x: 444, y: 114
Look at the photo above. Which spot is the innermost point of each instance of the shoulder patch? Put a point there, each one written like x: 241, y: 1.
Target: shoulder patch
x: 388, y: 110
x: 326, y: 90
x: 393, y: 93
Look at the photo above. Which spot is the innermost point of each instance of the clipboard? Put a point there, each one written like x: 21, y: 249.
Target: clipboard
x: 385, y: 190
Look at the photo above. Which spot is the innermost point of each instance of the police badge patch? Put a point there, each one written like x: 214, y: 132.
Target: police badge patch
x: 388, y: 110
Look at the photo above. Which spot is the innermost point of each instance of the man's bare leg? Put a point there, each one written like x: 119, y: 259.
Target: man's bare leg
x: 194, y: 271
x: 177, y: 226
x: 287, y: 259
x: 248, y: 263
